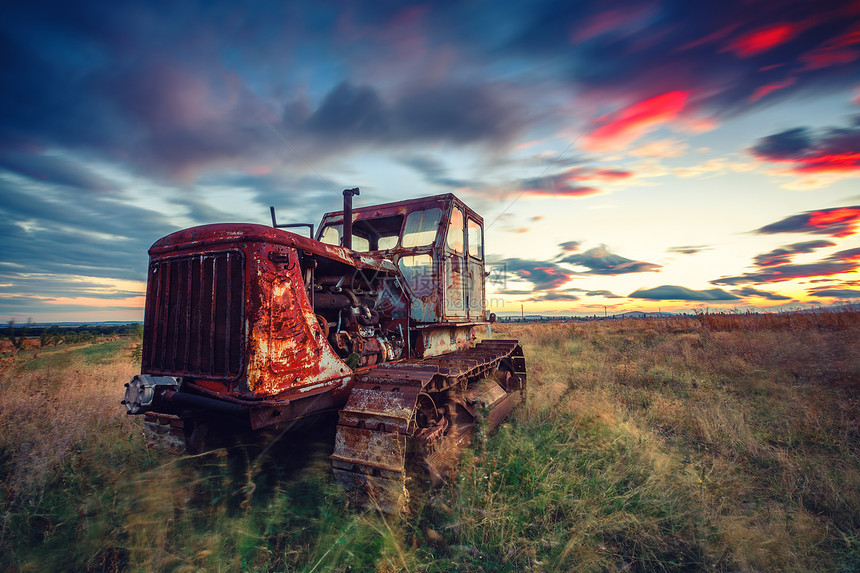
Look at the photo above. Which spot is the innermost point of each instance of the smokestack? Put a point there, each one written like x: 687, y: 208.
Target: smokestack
x: 347, y: 216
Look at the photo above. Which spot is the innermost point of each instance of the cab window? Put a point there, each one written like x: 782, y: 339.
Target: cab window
x: 421, y: 227
x: 331, y: 235
x: 418, y: 271
x: 476, y: 243
x: 455, y: 230
x: 381, y: 233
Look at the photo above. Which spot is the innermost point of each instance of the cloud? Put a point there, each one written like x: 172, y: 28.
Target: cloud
x: 688, y: 249
x: 543, y: 275
x: 721, y: 56
x: 834, y: 293
x: 662, y: 148
x: 435, y: 172
x: 51, y: 169
x: 180, y: 91
x: 616, y: 130
x: 825, y: 268
x: 455, y: 113
x: 599, y: 261
x: 580, y: 181
x: 749, y: 291
x: 783, y: 255
x: 569, y: 246
x: 555, y: 296
x: 672, y: 292
x: 103, y: 103
x: 831, y: 150
x: 837, y: 51
x: 836, y: 222
x: 603, y: 293
x: 847, y: 255
x: 764, y: 39
x: 765, y: 90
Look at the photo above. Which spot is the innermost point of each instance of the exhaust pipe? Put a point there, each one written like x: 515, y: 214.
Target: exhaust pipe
x: 347, y: 217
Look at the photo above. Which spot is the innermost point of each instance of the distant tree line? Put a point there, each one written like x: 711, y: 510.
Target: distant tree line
x: 55, y: 335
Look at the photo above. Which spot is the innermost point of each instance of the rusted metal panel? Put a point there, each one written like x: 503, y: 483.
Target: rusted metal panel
x: 475, y: 287
x: 380, y: 450
x: 208, y: 236
x: 455, y: 288
x: 287, y: 349
x: 443, y: 338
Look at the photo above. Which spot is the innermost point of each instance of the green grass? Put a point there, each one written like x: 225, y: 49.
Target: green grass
x: 643, y: 446
x: 58, y: 357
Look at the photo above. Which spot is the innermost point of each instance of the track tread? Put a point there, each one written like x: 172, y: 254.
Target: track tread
x: 371, y: 445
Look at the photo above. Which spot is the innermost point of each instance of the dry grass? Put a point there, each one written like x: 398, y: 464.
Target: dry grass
x: 747, y: 425
x: 720, y: 442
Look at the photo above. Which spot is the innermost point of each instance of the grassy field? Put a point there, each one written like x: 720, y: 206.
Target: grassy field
x: 723, y: 442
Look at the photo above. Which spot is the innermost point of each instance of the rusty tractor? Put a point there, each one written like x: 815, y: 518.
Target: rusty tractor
x: 262, y: 327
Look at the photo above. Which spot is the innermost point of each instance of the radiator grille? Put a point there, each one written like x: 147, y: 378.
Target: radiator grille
x: 194, y: 316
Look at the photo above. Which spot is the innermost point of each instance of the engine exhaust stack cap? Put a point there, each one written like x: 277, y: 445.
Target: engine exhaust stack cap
x: 347, y: 216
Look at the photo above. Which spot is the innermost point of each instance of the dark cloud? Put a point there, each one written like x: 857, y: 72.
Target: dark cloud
x: 783, y: 255
x: 434, y: 172
x: 178, y: 90
x: 835, y: 149
x: 688, y: 249
x: 599, y: 261
x: 731, y: 55
x: 835, y: 222
x: 461, y: 113
x: 603, y: 293
x: 516, y: 292
x: 555, y: 296
x: 569, y: 246
x: 846, y: 255
x: 749, y: 291
x: 55, y: 286
x: 835, y: 293
x: 55, y: 170
x: 99, y: 237
x: 791, y: 143
x: 575, y: 182
x: 828, y: 267
x: 543, y: 275
x: 672, y: 292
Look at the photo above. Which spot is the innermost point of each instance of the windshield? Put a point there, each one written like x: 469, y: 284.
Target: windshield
x: 383, y: 233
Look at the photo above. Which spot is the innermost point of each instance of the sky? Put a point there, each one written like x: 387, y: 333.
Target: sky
x: 629, y: 155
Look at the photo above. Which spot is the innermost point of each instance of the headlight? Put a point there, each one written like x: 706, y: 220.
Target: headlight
x: 140, y: 392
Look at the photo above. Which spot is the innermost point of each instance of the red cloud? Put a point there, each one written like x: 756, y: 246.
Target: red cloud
x: 829, y: 162
x: 845, y: 217
x: 625, y: 125
x: 839, y: 51
x: 826, y: 268
x: 611, y: 174
x: 836, y: 222
x: 835, y: 150
x: 567, y: 183
x: 764, y: 39
x: 579, y: 174
x: 762, y: 91
x: 563, y: 191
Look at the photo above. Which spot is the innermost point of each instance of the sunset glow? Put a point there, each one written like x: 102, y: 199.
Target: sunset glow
x: 638, y: 156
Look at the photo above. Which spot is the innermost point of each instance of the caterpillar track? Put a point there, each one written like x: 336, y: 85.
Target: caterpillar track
x: 406, y: 421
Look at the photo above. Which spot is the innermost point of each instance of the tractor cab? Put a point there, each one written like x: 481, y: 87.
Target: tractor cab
x: 438, y: 244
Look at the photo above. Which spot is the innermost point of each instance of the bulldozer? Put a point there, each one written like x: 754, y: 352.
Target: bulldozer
x: 373, y: 316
